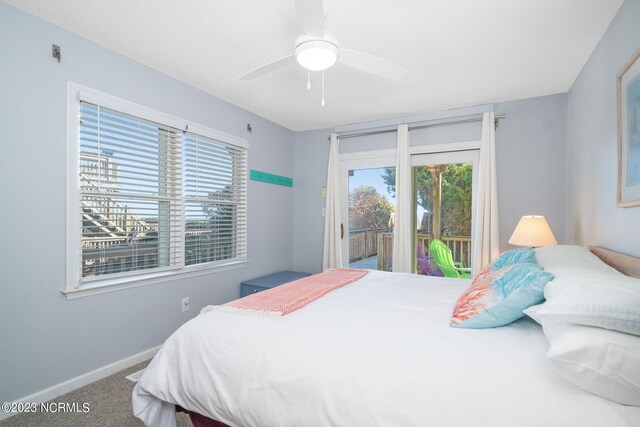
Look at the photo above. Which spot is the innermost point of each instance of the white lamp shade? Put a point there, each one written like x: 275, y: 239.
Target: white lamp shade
x: 533, y: 230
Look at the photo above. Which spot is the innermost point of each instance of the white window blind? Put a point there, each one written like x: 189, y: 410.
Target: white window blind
x: 215, y: 200
x: 153, y: 197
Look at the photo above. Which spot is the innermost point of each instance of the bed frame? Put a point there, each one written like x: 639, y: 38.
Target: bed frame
x: 623, y: 263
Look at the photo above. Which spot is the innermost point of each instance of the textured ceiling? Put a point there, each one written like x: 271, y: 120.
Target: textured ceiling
x: 458, y: 53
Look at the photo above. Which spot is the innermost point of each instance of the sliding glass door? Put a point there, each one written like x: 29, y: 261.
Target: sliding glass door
x: 368, y: 209
x: 443, y: 200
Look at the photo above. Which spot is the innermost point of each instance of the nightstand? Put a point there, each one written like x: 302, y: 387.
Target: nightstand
x: 263, y: 283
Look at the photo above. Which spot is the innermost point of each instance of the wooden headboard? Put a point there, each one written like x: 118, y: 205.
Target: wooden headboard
x: 623, y: 263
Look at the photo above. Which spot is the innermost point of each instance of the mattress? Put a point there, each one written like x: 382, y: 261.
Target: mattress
x: 378, y: 352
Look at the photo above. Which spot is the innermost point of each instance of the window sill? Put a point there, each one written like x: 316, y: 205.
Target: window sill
x: 119, y: 284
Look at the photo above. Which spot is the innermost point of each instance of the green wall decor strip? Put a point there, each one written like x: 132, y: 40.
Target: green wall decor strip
x: 270, y: 178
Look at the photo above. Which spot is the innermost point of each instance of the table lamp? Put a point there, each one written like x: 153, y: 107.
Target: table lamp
x: 532, y: 230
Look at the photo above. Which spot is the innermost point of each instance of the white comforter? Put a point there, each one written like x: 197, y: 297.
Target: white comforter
x: 378, y: 352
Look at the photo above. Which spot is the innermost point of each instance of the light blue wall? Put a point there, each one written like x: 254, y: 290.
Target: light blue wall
x: 530, y: 157
x: 592, y: 215
x: 311, y: 157
x: 46, y: 339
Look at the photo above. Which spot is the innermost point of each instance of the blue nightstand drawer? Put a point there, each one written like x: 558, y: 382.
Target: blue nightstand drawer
x: 263, y: 283
x: 248, y: 290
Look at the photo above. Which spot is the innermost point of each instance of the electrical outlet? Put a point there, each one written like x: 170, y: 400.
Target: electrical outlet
x: 186, y: 304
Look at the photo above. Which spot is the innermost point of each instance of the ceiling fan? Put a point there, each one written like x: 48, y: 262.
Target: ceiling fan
x: 316, y: 50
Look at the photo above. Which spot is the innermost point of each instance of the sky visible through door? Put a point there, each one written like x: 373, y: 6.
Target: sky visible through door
x: 371, y: 210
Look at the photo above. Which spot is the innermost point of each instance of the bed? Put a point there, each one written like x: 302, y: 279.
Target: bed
x: 377, y: 352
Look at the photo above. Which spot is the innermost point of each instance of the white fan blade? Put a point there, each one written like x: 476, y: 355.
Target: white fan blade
x: 311, y: 16
x: 371, y: 64
x: 267, y: 68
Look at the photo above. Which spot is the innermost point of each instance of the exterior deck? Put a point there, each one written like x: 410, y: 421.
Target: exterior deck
x: 369, y: 246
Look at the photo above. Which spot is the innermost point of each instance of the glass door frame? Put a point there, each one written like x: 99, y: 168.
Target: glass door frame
x: 442, y: 158
x: 355, y: 161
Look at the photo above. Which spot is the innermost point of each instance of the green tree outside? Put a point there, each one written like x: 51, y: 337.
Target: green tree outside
x: 456, y: 196
x: 368, y: 209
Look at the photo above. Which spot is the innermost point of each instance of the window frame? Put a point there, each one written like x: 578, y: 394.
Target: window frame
x: 75, y: 286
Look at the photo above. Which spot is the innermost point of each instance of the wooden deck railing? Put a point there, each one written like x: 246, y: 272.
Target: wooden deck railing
x: 116, y: 255
x: 363, y: 243
x: 460, y: 248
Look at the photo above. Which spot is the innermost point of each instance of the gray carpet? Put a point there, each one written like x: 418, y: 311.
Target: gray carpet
x: 109, y: 405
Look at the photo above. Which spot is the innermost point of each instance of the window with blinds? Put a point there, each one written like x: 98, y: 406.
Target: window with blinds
x: 214, y: 199
x: 153, y: 197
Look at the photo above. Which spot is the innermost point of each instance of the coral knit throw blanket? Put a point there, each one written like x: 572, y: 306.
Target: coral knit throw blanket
x: 291, y: 296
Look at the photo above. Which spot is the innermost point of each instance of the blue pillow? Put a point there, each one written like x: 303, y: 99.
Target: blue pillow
x: 497, y: 297
x: 514, y: 256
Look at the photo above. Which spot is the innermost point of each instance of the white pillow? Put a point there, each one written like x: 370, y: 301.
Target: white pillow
x: 533, y: 312
x: 601, y: 361
x: 611, y: 302
x: 585, y: 297
x: 564, y: 260
x: 571, y: 263
x: 587, y: 291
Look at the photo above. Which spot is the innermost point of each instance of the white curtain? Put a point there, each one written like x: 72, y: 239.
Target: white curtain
x: 402, y: 236
x: 332, y: 253
x: 485, y: 240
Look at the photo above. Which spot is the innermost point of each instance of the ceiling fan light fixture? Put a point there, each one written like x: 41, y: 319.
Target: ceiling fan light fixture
x: 317, y: 55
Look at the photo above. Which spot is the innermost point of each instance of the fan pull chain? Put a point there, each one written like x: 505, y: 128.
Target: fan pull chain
x: 322, y: 102
x: 308, y: 79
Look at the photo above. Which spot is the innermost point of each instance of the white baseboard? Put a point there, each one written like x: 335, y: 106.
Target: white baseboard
x: 84, y: 379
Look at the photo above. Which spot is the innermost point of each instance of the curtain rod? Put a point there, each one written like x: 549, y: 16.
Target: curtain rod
x: 427, y: 125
